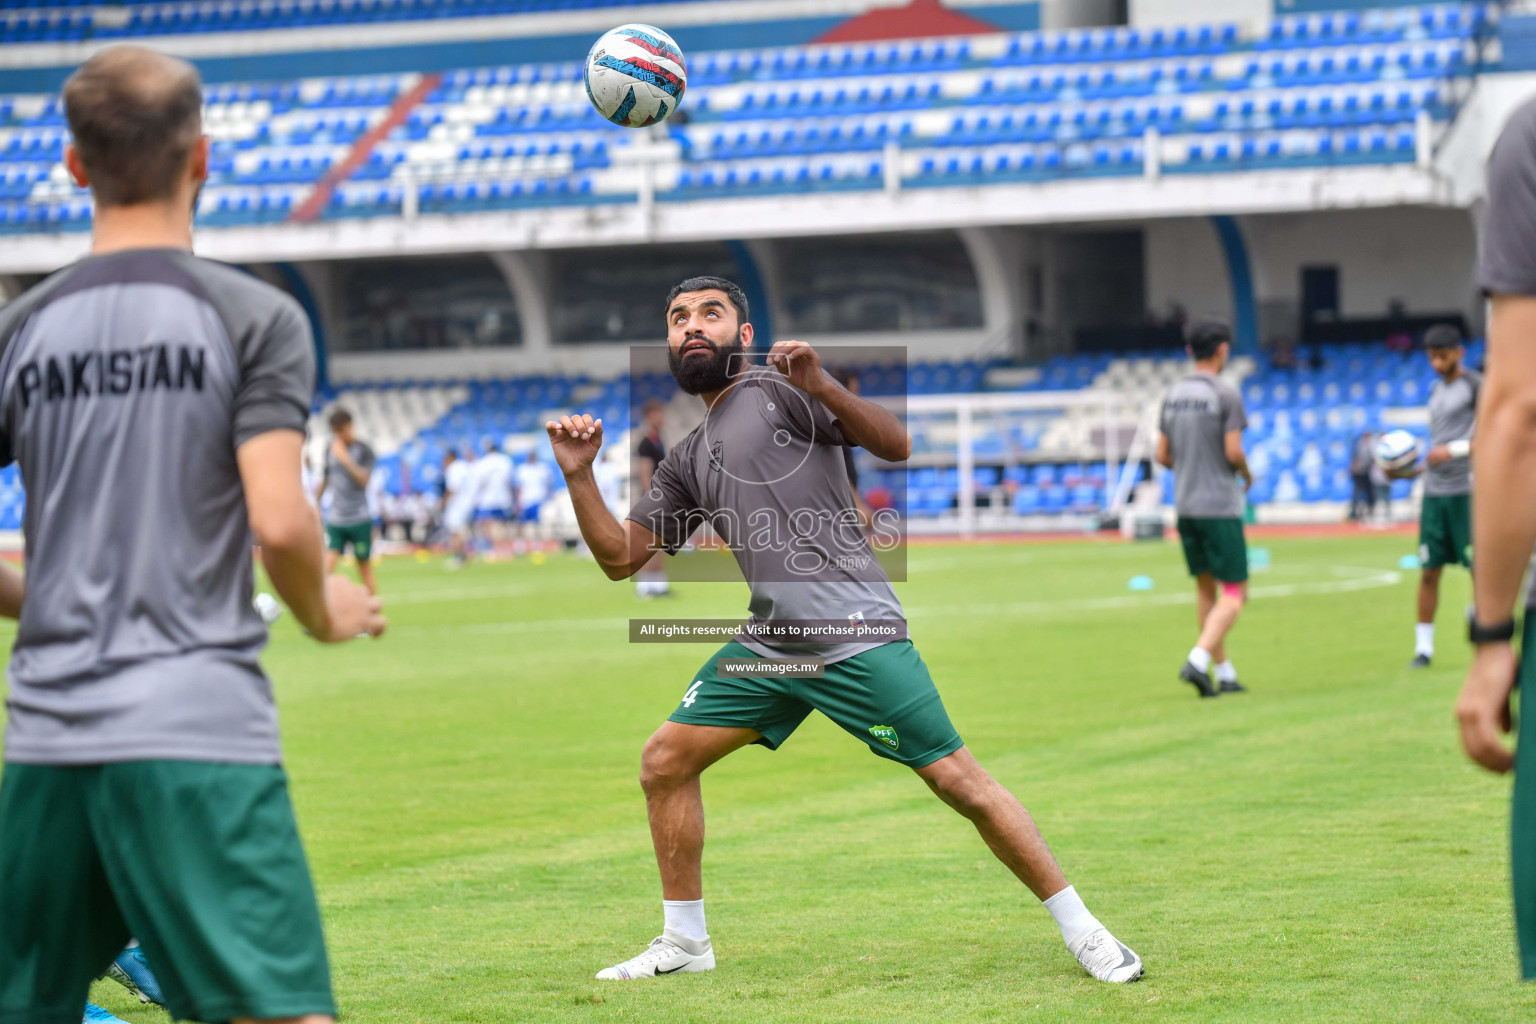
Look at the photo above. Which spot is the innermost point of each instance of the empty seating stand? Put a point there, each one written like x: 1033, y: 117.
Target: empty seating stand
x: 1316, y: 90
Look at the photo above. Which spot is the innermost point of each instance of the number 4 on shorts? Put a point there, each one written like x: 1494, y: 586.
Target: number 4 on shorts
x: 692, y: 694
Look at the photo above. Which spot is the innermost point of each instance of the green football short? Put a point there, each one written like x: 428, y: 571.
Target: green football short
x: 1522, y: 830
x: 200, y: 862
x: 1445, y: 530
x: 359, y: 535
x: 1215, y: 546
x: 884, y: 697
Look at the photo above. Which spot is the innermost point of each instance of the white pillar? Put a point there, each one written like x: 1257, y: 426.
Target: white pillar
x: 997, y: 258
x: 967, y: 460
x: 527, y: 288
x: 410, y: 200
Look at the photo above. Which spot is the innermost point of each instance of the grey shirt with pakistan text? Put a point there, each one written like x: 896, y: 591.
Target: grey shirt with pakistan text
x: 766, y: 469
x: 1507, y: 261
x: 1196, y: 416
x: 349, y: 499
x: 1452, y: 415
x: 127, y: 381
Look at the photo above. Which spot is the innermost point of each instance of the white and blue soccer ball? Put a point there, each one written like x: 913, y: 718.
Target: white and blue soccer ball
x: 635, y: 75
x: 267, y: 607
x: 1396, y: 450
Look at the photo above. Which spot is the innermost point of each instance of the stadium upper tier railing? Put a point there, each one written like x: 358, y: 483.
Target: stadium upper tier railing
x: 1371, y: 87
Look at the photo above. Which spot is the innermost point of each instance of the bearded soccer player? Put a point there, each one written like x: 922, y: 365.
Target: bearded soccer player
x: 1201, y: 440
x: 771, y: 445
x: 1445, y: 520
x: 156, y: 404
x: 1504, y: 504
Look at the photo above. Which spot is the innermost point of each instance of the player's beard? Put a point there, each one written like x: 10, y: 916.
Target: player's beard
x: 695, y: 375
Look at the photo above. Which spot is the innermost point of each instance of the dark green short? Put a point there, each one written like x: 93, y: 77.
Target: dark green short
x: 1215, y: 546
x: 358, y: 535
x: 884, y: 697
x: 200, y: 862
x: 1522, y: 831
x: 1445, y: 530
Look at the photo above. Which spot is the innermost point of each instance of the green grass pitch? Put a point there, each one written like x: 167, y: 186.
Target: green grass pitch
x: 1315, y: 850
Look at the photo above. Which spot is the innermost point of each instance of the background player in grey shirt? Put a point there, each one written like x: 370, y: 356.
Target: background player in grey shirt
x: 1445, y: 516
x: 155, y: 403
x: 766, y: 469
x: 348, y: 523
x: 1201, y: 440
x: 1504, y: 505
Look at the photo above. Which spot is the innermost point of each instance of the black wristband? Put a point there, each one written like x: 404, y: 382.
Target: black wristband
x: 1498, y: 633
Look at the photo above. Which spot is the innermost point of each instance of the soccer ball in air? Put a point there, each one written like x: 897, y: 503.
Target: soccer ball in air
x: 267, y: 607
x: 1396, y: 450
x: 635, y: 75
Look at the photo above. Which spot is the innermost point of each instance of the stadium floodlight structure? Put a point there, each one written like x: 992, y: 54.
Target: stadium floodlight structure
x: 1100, y: 429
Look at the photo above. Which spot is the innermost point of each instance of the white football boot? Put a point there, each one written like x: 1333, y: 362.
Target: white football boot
x: 668, y: 953
x: 1106, y: 957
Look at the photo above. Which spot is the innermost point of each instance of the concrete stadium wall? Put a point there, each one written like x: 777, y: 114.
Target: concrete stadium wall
x: 1250, y: 13
x: 1423, y: 257
x: 1185, y: 266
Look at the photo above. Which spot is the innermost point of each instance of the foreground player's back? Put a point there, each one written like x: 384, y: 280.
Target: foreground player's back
x: 127, y: 382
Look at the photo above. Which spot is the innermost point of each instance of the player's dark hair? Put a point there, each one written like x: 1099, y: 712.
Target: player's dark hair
x: 698, y: 284
x: 1204, y: 337
x: 135, y: 115
x: 1442, y: 336
x: 340, y: 418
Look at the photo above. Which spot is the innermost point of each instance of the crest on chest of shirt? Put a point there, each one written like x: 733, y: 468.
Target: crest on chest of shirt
x: 717, y: 456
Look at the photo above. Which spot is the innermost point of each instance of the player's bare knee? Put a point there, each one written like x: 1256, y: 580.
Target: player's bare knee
x: 663, y: 766
x: 1235, y: 594
x: 1430, y: 577
x: 966, y: 787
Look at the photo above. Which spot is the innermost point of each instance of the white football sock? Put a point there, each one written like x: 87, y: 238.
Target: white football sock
x: 1200, y: 658
x: 1071, y: 916
x: 1226, y: 672
x: 685, y: 918
x: 1424, y: 639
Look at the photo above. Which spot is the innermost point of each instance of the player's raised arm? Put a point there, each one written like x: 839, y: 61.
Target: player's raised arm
x: 620, y: 548
x: 872, y: 427
x: 332, y: 608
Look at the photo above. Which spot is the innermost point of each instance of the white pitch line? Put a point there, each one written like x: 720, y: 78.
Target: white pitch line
x: 1371, y: 580
x: 429, y: 596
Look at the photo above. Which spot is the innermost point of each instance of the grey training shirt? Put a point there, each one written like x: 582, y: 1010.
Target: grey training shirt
x: 126, y: 384
x: 1452, y: 414
x: 349, y: 499
x: 766, y: 468
x: 1196, y: 416
x: 1507, y: 262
